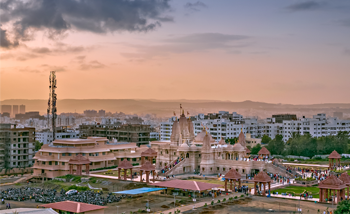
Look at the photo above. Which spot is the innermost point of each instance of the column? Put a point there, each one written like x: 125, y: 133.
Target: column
x: 87, y: 169
x: 119, y: 173
x: 264, y: 189
x: 239, y: 184
x: 226, y: 185
x: 326, y: 194
x: 231, y: 185
x: 131, y: 173
x: 338, y: 196
x: 70, y: 169
x: 154, y: 173
x: 125, y: 172
x: 141, y: 176
x: 269, y: 186
x: 255, y: 189
x: 348, y: 193
x: 147, y: 176
x: 142, y: 160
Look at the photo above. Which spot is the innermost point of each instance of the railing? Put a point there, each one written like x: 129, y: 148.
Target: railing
x: 174, y: 167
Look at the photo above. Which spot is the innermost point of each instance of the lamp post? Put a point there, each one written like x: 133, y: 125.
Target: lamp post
x: 117, y: 209
x: 299, y: 204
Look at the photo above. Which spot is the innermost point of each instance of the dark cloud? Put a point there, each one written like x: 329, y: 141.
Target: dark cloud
x: 4, y: 40
x: 307, y: 5
x: 194, y: 7
x: 57, y: 17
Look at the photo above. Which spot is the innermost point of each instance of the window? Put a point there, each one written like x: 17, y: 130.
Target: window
x: 96, y: 153
x: 19, y: 139
x: 14, y: 145
x: 50, y: 163
x: 63, y: 163
x: 218, y: 168
x: 44, y: 162
x: 103, y: 153
x: 14, y: 163
x: 50, y: 153
x: 84, y: 154
x: 63, y: 154
x: 56, y: 163
x: 69, y: 154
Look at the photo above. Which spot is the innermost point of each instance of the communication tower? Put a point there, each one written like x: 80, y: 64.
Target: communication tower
x: 52, y: 103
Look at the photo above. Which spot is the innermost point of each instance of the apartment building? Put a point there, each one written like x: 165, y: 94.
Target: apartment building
x: 139, y: 134
x: 22, y: 109
x: 46, y: 136
x: 223, y: 125
x: 17, y: 145
x: 6, y: 109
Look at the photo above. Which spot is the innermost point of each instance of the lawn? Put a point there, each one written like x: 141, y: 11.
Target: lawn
x: 297, y: 190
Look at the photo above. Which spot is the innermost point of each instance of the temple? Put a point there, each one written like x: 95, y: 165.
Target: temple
x: 202, y: 154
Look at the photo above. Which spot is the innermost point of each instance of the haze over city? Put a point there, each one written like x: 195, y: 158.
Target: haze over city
x: 291, y: 52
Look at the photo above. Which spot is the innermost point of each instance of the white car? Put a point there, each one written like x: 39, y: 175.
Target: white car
x: 72, y: 191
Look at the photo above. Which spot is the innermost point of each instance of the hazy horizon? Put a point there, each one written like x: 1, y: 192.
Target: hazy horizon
x: 292, y: 52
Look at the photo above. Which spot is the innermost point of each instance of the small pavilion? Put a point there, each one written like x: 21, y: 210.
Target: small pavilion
x: 247, y: 152
x: 147, y: 167
x: 334, y: 156
x: 232, y: 176
x: 149, y: 155
x: 332, y: 183
x: 261, y: 178
x: 345, y: 177
x: 125, y: 165
x: 264, y: 152
x: 79, y: 161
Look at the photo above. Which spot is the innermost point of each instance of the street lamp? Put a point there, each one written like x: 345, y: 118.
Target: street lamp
x: 117, y: 209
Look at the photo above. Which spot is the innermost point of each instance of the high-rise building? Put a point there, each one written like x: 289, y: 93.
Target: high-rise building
x: 22, y: 109
x: 6, y: 108
x: 280, y: 117
x: 101, y: 113
x: 18, y: 144
x: 90, y: 113
x: 15, y: 110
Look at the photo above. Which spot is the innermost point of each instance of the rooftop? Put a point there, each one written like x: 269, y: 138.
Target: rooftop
x: 73, y: 206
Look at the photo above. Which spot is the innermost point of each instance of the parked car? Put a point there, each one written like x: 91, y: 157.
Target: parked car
x: 72, y: 191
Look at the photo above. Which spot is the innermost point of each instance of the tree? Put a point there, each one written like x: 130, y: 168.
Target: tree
x: 343, y: 207
x: 38, y: 145
x: 265, y: 139
x: 255, y: 149
x: 231, y: 141
x: 153, y: 139
x: 276, y: 146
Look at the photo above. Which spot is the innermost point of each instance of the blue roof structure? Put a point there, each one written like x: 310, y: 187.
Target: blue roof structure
x: 139, y: 191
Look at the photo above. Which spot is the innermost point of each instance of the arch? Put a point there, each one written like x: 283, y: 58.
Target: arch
x: 187, y: 155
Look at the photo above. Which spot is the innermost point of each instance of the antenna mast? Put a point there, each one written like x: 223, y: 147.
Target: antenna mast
x: 52, y: 103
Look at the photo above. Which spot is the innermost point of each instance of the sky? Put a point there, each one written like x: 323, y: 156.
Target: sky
x: 295, y: 52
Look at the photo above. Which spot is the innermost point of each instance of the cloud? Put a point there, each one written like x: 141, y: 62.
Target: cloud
x: 57, y: 17
x: 94, y: 64
x: 4, y: 40
x: 200, y: 42
x: 303, y: 6
x: 195, y: 7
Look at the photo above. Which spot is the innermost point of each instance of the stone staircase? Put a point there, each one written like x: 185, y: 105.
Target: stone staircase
x: 278, y: 169
x: 173, y: 169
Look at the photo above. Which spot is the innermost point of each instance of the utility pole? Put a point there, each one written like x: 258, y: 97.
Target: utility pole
x: 52, y: 103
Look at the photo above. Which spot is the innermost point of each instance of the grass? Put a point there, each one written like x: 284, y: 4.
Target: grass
x: 296, y: 190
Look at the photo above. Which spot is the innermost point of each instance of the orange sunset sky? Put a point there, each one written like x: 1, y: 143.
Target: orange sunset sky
x: 295, y: 52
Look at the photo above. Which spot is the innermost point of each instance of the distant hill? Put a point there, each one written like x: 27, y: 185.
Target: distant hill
x: 166, y: 107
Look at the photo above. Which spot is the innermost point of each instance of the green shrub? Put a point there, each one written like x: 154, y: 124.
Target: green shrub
x: 205, y: 205
x: 236, y: 197
x: 218, y: 201
x: 223, y: 200
x: 212, y: 203
x: 242, y: 196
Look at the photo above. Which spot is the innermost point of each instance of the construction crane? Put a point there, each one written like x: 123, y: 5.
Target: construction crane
x: 52, y: 103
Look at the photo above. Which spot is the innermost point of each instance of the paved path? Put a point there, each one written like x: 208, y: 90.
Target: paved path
x: 199, y: 204
x: 305, y: 164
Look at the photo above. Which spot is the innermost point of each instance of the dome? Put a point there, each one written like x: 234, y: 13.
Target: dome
x: 200, y: 136
x: 238, y: 147
x: 222, y: 142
